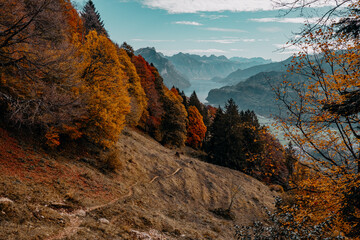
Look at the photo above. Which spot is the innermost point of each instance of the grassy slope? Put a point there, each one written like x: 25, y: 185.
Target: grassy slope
x: 156, y: 193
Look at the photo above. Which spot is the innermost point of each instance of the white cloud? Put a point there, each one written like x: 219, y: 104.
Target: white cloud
x: 151, y: 40
x: 194, y: 6
x: 188, y: 23
x: 300, y: 20
x: 269, y: 29
x: 224, y: 29
x: 226, y: 40
x: 213, y: 17
x: 168, y: 52
x: 237, y: 50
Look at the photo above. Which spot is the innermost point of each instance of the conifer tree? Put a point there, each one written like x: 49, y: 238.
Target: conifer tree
x: 194, y: 101
x: 92, y: 20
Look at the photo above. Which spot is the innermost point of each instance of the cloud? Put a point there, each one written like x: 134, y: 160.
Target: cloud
x: 226, y: 40
x: 151, y: 40
x: 188, y: 23
x: 224, y: 29
x: 194, y: 6
x: 290, y: 20
x: 269, y: 29
x: 211, y: 51
x: 191, y: 6
x: 213, y: 17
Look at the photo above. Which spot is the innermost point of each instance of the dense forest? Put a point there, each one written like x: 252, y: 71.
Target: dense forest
x: 64, y: 80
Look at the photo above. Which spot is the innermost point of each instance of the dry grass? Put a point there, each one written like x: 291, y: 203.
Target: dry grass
x: 154, y: 193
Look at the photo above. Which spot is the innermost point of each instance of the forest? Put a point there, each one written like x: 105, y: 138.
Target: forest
x: 63, y: 80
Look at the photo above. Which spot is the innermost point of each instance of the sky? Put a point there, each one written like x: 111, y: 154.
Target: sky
x: 233, y: 28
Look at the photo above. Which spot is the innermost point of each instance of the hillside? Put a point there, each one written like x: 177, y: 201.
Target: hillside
x: 172, y: 77
x: 255, y: 93
x: 243, y: 74
x: 62, y: 195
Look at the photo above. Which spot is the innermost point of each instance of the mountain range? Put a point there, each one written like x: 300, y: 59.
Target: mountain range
x: 197, y: 67
x: 182, y: 68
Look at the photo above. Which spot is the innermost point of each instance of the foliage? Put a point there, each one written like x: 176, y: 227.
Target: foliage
x: 104, y: 79
x: 196, y: 128
x: 324, y: 123
x: 38, y: 66
x: 173, y: 125
x: 138, y: 100
x: 110, y: 160
x: 151, y: 120
x: 283, y: 225
x: 92, y: 20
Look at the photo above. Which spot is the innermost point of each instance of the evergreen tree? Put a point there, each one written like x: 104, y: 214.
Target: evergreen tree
x: 194, y: 101
x: 92, y: 20
x: 128, y: 48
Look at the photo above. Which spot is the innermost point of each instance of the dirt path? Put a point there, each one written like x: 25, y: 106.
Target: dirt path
x: 77, y: 215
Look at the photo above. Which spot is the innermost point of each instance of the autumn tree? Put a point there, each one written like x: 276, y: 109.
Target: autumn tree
x: 196, y: 128
x: 173, y: 124
x: 151, y: 119
x: 138, y: 100
x: 323, y: 122
x: 194, y: 101
x: 92, y: 20
x: 38, y: 66
x: 105, y: 83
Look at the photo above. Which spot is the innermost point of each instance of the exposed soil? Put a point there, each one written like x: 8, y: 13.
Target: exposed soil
x: 157, y: 195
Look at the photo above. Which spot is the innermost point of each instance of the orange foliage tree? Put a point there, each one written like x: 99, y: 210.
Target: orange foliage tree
x: 196, y: 128
x: 105, y: 85
x: 323, y: 122
x: 151, y: 119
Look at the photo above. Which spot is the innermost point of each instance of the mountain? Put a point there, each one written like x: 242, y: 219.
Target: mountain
x: 255, y: 93
x: 156, y: 193
x: 171, y: 76
x: 257, y: 60
x: 197, y: 67
x: 241, y: 75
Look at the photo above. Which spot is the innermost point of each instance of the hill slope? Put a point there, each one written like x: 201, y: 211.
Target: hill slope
x: 55, y: 196
x: 255, y: 93
x: 241, y: 75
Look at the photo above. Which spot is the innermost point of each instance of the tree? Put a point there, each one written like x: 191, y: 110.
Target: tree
x: 138, y: 100
x: 224, y: 147
x: 105, y: 82
x: 173, y: 124
x: 196, y: 128
x: 38, y: 66
x: 323, y: 122
x: 151, y: 119
x: 92, y: 20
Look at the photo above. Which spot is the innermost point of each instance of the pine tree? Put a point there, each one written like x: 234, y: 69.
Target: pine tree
x: 92, y: 20
x: 194, y: 101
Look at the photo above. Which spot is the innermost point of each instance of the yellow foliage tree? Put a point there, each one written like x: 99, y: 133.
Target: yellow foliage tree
x: 138, y: 100
x: 105, y: 84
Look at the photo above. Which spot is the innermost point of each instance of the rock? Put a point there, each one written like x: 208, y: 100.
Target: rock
x: 104, y: 221
x: 81, y: 213
x: 4, y: 200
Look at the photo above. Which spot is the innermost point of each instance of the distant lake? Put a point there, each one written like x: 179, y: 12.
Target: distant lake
x: 202, y: 88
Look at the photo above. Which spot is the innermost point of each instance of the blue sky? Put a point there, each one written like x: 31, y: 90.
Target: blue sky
x: 244, y: 28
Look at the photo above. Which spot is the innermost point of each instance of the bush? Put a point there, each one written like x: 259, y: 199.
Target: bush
x: 110, y: 160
